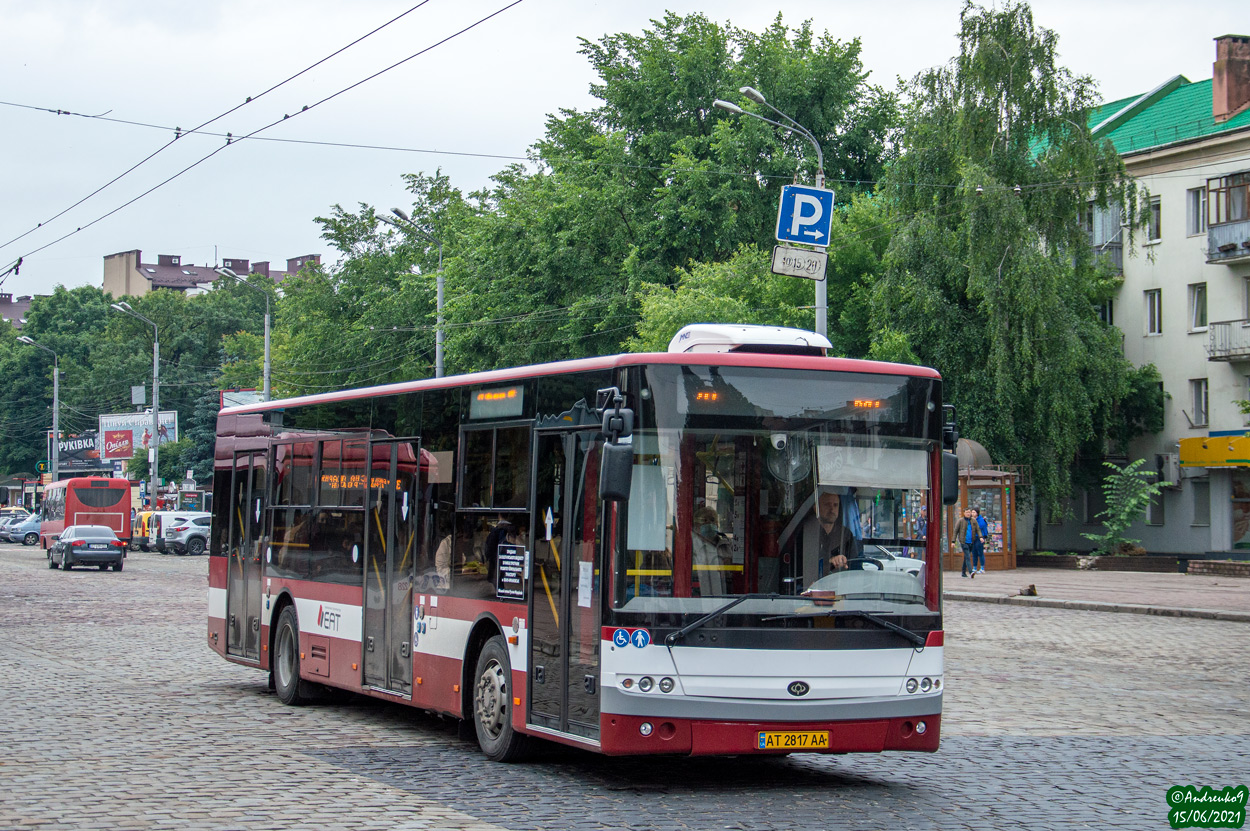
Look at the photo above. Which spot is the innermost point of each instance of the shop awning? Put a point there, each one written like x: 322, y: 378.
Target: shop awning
x: 1216, y: 451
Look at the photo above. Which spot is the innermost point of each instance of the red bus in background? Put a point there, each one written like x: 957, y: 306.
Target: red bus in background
x: 88, y: 500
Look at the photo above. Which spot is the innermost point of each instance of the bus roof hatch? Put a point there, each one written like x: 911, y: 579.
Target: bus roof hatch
x: 726, y: 337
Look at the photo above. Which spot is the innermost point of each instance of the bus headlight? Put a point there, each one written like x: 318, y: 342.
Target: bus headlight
x: 645, y: 683
x: 912, y: 685
x: 666, y: 685
x: 926, y: 684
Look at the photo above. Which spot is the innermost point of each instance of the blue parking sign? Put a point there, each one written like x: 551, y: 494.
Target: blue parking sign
x: 805, y: 215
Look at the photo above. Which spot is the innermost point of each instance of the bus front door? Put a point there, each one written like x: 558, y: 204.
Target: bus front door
x: 393, y: 520
x: 564, y: 585
x: 243, y: 588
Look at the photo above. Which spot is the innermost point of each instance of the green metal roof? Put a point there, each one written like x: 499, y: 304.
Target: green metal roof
x: 1177, y: 110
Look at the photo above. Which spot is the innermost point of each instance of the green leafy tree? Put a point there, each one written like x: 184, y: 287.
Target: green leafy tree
x: 990, y: 277
x: 1128, y: 491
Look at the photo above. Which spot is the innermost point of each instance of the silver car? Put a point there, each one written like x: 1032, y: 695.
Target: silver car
x: 187, y: 534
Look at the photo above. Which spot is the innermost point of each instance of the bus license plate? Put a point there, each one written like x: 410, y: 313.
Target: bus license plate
x: 772, y: 740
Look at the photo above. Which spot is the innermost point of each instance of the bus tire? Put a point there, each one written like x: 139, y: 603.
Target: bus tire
x: 285, y: 671
x: 492, y: 704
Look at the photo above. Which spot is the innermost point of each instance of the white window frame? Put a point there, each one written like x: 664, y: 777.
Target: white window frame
x: 1196, y: 211
x: 1154, y: 220
x: 1198, y: 318
x: 1154, y: 311
x: 1200, y: 401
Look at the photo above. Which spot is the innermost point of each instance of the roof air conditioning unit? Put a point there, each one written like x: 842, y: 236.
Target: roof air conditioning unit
x: 725, y: 337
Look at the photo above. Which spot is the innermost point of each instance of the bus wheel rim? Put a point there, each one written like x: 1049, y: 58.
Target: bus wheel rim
x: 491, y: 699
x: 286, y: 656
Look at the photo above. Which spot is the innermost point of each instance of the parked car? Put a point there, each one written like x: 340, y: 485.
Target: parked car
x: 189, y: 536
x: 161, y: 521
x: 13, y: 513
x: 26, y: 532
x: 87, y: 545
x: 891, y: 560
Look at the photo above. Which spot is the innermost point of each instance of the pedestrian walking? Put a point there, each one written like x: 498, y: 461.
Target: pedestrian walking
x: 978, y: 551
x: 967, y: 532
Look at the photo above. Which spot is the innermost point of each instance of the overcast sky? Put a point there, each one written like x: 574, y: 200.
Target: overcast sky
x: 486, y: 92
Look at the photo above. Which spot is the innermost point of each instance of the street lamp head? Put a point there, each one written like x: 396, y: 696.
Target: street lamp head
x: 121, y: 307
x: 400, y: 213
x: 226, y: 272
x: 754, y: 94
x: 727, y: 107
x: 25, y: 339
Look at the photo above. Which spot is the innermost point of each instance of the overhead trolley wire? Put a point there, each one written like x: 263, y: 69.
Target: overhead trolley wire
x: 179, y: 133
x: 302, y: 110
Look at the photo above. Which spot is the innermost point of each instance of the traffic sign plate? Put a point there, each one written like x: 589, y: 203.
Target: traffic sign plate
x: 799, y: 262
x: 805, y: 215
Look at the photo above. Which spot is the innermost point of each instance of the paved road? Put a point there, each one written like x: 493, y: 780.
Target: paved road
x: 114, y: 714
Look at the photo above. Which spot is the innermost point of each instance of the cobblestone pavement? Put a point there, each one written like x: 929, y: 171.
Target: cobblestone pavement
x: 115, y: 714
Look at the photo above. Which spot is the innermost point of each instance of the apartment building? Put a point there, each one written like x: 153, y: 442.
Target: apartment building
x: 1185, y: 303
x: 126, y: 275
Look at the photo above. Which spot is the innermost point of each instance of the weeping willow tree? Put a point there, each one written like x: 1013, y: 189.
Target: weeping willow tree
x: 990, y: 276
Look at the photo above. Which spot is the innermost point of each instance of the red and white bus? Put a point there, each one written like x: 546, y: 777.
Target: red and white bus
x: 85, y: 500
x: 621, y: 554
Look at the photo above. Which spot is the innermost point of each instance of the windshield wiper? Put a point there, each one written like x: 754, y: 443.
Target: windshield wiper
x: 873, y: 617
x: 674, y: 637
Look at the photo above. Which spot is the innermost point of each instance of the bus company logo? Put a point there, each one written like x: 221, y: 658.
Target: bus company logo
x: 798, y: 688
x: 328, y: 618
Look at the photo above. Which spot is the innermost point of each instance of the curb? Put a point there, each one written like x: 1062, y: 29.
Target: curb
x: 1092, y: 606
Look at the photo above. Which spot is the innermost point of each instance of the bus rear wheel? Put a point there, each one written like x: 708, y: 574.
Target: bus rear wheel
x: 285, y: 671
x: 492, y: 704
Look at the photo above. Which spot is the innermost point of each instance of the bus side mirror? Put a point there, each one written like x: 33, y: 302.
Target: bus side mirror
x: 616, y: 472
x: 950, y: 479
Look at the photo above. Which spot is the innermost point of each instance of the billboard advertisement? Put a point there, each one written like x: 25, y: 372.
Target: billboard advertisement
x: 79, y: 452
x: 127, y: 433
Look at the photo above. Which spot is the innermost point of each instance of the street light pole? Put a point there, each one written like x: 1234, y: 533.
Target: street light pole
x: 822, y: 287
x: 124, y: 308
x: 408, y: 225
x: 56, y: 405
x: 225, y: 272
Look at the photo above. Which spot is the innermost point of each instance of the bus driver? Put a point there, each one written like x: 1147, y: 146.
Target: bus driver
x: 835, y: 542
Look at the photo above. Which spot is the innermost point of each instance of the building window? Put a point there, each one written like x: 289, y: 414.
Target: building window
x: 1154, y: 510
x: 1198, y: 397
x: 1198, y: 307
x: 1154, y: 312
x: 1196, y: 211
x: 1202, y: 501
x: 1154, y: 221
x: 1106, y: 312
x: 1229, y: 198
x: 1093, y: 503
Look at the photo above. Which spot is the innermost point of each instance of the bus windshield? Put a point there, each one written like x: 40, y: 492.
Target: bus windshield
x: 814, y: 488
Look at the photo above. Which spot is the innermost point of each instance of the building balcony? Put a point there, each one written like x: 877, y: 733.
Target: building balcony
x: 1229, y: 242
x: 1229, y: 341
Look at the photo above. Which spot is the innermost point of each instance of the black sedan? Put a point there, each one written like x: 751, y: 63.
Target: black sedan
x: 87, y: 545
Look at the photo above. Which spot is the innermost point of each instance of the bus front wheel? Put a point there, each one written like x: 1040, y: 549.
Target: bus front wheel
x: 285, y: 671
x: 492, y: 704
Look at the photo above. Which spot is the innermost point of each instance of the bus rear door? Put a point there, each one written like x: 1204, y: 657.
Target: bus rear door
x: 564, y: 658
